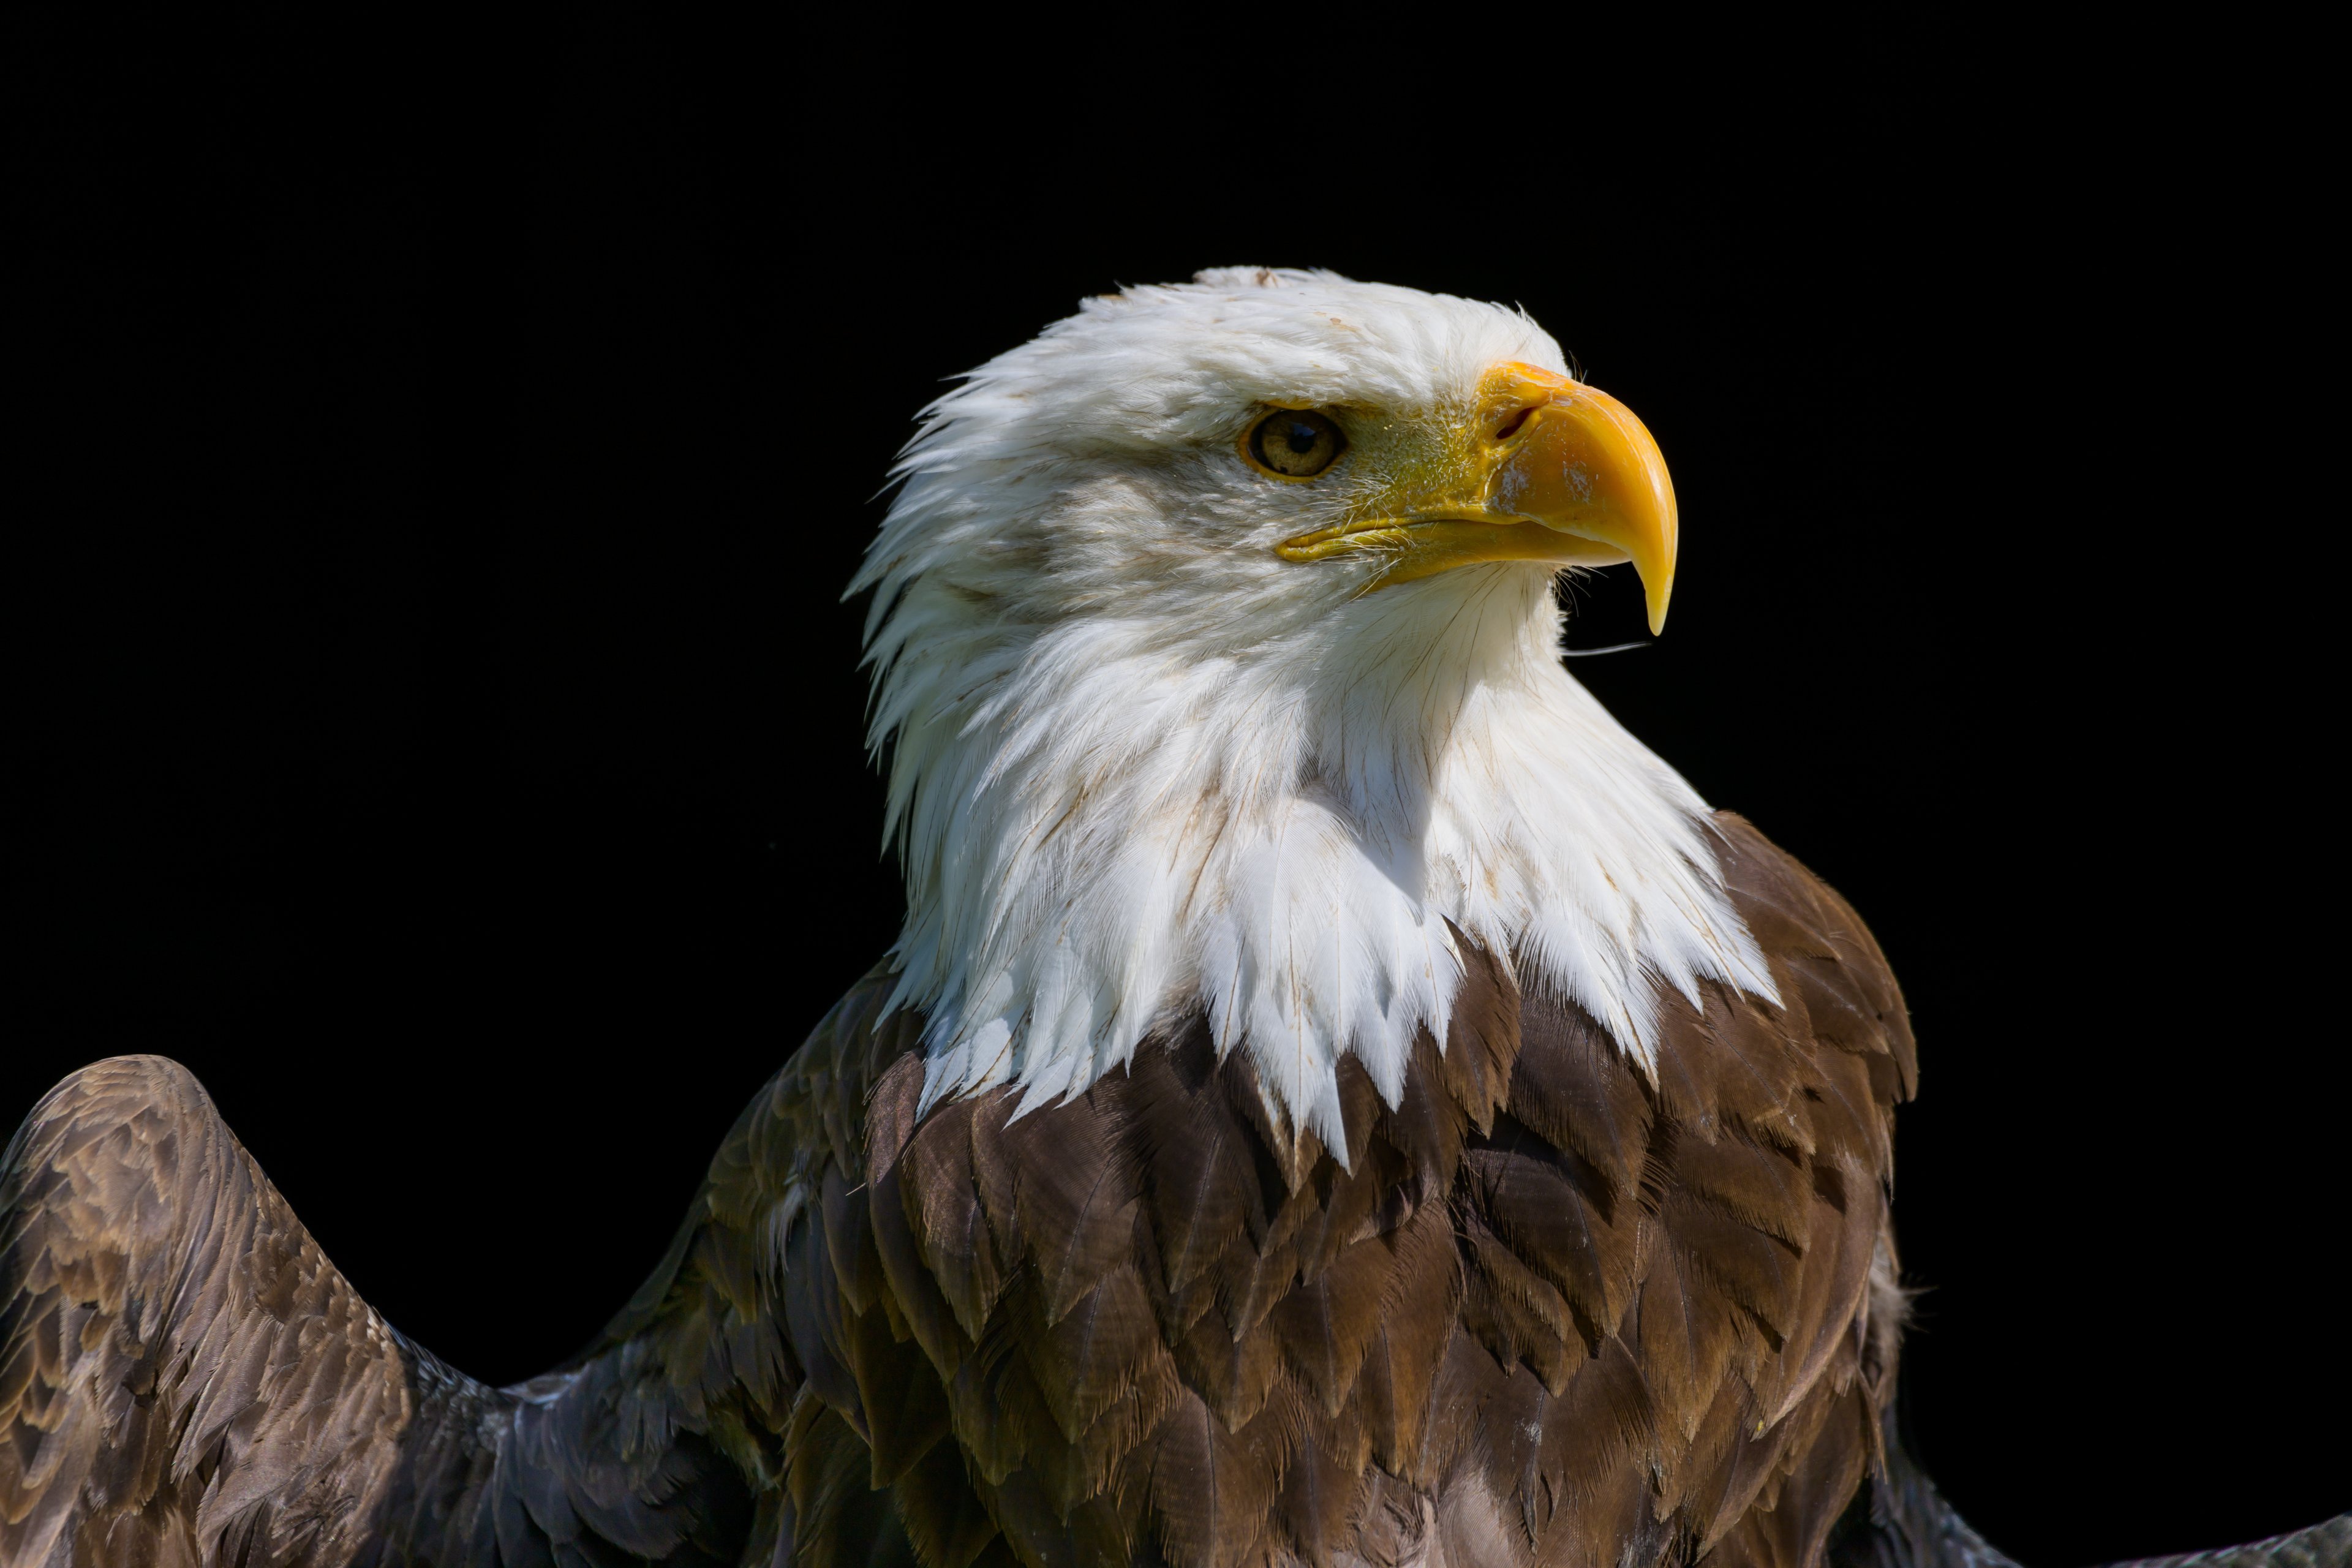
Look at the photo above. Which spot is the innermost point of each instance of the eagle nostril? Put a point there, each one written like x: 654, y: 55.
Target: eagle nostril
x: 1511, y: 425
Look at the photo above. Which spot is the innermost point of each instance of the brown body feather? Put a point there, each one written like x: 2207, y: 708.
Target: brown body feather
x: 1546, y: 1309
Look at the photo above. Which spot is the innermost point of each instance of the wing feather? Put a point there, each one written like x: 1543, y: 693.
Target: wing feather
x: 183, y: 1367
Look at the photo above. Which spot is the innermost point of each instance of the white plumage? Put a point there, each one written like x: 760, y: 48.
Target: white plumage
x: 1142, y: 763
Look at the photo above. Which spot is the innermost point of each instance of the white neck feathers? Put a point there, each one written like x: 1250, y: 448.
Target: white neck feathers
x: 1107, y: 826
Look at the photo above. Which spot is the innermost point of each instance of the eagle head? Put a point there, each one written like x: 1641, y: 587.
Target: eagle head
x: 1216, y: 648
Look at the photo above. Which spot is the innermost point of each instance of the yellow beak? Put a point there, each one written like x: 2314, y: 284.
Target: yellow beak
x: 1549, y: 470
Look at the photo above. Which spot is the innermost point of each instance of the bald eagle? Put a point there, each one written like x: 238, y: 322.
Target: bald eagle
x: 1338, y: 1099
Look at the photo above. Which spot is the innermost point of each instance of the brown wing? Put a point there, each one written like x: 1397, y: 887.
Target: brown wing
x: 185, y: 1379
x: 1546, y: 1309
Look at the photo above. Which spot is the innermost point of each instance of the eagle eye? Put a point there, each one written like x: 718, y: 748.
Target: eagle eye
x: 1293, y: 443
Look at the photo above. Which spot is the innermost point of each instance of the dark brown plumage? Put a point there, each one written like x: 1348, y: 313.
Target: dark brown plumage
x: 1545, y: 1310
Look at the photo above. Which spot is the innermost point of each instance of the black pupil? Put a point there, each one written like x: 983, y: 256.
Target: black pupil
x: 1302, y: 435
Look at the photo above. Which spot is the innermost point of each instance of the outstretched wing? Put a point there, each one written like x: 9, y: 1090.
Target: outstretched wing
x: 185, y: 1378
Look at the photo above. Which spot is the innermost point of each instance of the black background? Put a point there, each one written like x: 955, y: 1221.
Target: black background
x: 435, y: 722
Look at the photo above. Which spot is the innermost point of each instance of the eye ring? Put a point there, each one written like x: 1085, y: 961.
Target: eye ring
x: 1294, y: 445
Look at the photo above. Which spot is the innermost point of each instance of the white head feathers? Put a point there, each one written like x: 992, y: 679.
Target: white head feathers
x: 1142, y: 766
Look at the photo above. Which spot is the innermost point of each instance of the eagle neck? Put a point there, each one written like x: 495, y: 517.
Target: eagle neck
x: 1109, y: 830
